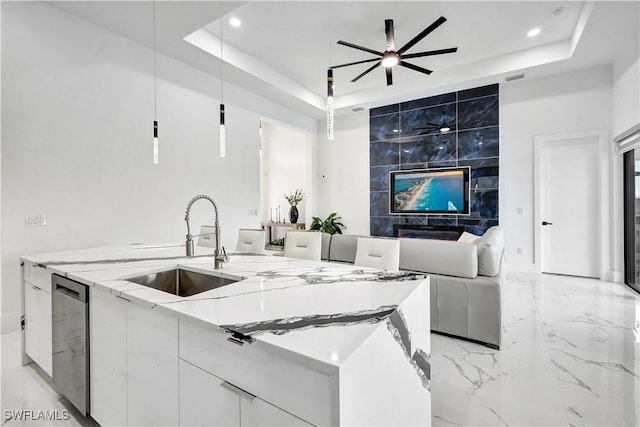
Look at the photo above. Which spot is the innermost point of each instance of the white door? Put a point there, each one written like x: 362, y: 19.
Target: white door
x: 569, y: 207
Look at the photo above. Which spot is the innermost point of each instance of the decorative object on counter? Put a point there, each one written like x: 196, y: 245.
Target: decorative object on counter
x: 293, y: 200
x: 277, y: 242
x: 332, y: 225
x: 220, y: 255
x: 293, y: 214
x: 271, y: 236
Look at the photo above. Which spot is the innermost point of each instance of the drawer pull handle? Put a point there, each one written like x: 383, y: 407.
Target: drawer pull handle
x: 118, y: 296
x: 239, y: 338
x: 237, y: 390
x: 235, y: 341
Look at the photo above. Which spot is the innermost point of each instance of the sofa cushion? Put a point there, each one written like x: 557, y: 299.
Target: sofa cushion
x: 439, y: 257
x: 466, y: 237
x: 490, y: 248
x: 343, y: 247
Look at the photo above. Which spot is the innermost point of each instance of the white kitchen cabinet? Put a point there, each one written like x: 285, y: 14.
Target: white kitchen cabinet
x: 152, y: 367
x: 108, y: 358
x: 37, y: 311
x: 31, y: 326
x: 134, y: 363
x: 257, y: 412
x: 203, y: 402
x: 206, y: 400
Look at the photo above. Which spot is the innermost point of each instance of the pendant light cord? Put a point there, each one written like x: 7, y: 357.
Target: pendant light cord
x: 155, y: 78
x: 330, y: 61
x: 221, y: 59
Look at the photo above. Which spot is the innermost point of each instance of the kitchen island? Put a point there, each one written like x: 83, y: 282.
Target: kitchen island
x: 294, y: 342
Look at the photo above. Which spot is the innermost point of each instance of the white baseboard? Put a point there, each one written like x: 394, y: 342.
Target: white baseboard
x: 521, y: 268
x: 614, y: 276
x: 10, y: 322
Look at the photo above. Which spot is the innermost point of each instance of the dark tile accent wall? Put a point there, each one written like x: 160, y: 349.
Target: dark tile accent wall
x: 406, y: 136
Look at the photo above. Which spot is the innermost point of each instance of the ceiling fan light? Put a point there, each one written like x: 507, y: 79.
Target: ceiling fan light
x: 389, y: 59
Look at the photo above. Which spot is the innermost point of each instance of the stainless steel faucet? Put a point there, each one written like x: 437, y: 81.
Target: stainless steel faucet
x: 220, y: 255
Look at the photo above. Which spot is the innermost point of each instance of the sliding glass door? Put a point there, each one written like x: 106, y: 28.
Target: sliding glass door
x: 632, y: 218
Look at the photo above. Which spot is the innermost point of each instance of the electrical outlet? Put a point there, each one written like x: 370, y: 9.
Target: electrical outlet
x: 253, y: 212
x: 520, y: 251
x: 520, y: 211
x: 35, y: 220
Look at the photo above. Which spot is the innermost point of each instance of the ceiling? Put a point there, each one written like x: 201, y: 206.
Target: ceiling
x: 283, y: 48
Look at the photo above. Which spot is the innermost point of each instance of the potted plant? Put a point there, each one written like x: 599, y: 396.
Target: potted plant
x: 332, y: 225
x: 293, y: 200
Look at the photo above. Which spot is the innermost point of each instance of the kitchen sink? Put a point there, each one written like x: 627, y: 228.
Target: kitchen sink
x: 184, y: 283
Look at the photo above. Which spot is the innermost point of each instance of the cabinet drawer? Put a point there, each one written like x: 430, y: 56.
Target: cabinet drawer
x: 37, y: 276
x: 263, y: 371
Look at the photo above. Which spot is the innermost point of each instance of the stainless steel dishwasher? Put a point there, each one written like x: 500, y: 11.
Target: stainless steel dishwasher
x: 70, y: 312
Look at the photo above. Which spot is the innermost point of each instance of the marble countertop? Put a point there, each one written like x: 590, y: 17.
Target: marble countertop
x: 317, y: 310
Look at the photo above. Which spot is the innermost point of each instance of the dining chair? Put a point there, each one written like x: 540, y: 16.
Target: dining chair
x: 378, y: 252
x: 303, y: 245
x: 251, y: 240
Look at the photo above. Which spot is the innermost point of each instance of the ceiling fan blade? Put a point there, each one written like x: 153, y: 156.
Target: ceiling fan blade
x: 355, y: 46
x: 368, y: 71
x: 389, y: 76
x: 422, y: 35
x: 388, y: 30
x: 355, y: 63
x: 430, y: 53
x: 414, y: 67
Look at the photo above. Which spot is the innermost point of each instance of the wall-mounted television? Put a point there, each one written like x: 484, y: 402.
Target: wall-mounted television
x: 429, y: 191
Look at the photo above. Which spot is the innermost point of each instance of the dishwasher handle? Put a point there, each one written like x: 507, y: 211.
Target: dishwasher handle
x: 72, y: 289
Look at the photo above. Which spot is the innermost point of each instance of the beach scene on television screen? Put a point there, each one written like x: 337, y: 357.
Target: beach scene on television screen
x: 430, y: 191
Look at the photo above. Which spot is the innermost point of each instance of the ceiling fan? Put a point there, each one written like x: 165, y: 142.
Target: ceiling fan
x: 391, y: 57
x: 443, y: 127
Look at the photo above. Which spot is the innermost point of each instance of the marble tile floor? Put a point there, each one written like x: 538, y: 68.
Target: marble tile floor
x: 570, y: 356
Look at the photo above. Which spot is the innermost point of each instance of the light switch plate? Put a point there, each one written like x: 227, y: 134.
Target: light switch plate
x: 35, y: 220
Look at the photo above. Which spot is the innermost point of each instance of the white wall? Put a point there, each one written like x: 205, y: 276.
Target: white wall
x: 626, y: 113
x: 575, y: 101
x: 284, y: 169
x: 343, y: 171
x: 562, y: 103
x: 77, y: 110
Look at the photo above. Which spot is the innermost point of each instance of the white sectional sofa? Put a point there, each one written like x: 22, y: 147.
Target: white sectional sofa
x: 466, y: 281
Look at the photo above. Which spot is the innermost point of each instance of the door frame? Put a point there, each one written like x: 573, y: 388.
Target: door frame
x: 547, y: 140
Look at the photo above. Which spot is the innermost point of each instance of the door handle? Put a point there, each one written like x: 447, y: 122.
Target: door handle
x: 546, y: 223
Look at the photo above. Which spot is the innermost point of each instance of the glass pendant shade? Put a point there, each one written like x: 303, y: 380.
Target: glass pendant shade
x: 155, y: 142
x: 330, y: 112
x: 222, y: 133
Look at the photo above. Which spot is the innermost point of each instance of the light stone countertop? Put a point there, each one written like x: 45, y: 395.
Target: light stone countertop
x: 318, y: 310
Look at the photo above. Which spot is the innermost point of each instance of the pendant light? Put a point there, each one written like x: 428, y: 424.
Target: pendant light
x: 329, y: 103
x: 330, y: 87
x: 223, y: 136
x: 155, y: 92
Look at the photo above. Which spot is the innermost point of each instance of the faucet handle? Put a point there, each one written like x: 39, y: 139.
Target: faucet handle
x: 225, y: 257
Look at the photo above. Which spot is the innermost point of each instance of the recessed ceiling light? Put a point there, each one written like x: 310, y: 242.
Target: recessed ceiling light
x: 235, y: 22
x: 534, y: 32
